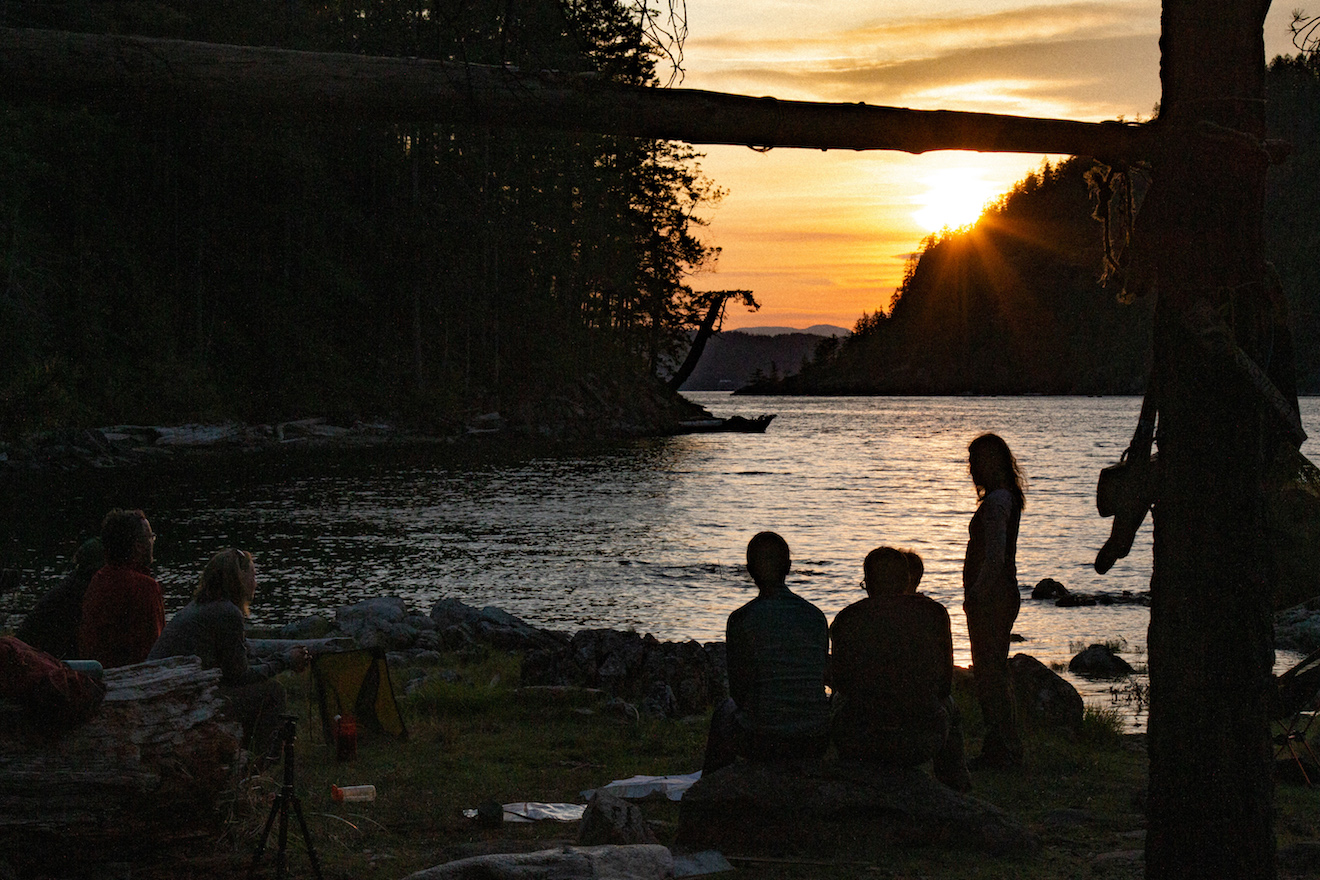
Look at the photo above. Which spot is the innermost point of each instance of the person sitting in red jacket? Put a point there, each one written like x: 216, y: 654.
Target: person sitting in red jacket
x: 123, y: 611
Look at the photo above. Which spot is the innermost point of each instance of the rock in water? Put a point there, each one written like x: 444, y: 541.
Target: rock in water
x: 1099, y: 661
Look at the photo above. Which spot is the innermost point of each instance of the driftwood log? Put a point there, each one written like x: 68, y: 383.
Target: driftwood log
x: 147, y: 769
x: 166, y: 74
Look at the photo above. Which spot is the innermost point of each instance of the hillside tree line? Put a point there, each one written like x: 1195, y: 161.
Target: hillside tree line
x: 163, y: 263
x: 1018, y: 302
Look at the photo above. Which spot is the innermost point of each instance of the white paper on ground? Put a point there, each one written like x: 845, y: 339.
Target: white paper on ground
x: 531, y: 811
x: 671, y: 787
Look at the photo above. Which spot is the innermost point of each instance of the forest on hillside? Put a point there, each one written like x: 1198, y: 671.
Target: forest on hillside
x: 164, y: 264
x: 1015, y: 303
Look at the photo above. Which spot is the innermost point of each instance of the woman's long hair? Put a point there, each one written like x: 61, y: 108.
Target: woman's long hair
x: 997, y: 469
x: 229, y: 575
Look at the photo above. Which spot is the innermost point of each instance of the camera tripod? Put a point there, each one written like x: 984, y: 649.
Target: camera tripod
x: 287, y: 798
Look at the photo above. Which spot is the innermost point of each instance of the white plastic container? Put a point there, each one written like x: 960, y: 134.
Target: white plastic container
x: 352, y: 793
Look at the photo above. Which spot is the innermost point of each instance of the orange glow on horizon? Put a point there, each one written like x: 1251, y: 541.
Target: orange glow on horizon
x: 823, y: 237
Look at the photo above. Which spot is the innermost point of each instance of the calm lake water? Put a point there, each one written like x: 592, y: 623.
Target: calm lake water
x: 647, y: 535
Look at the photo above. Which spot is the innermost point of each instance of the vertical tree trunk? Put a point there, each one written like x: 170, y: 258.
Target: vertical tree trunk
x: 1211, y: 636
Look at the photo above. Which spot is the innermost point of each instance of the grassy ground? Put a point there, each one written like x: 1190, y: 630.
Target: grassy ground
x: 479, y: 738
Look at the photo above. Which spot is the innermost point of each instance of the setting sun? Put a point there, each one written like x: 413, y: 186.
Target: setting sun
x: 954, y: 197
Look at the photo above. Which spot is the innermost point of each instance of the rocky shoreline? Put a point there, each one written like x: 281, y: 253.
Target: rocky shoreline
x: 592, y: 409
x: 638, y: 674
x: 642, y: 674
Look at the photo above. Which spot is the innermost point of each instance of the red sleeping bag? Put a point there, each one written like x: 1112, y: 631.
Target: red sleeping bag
x: 45, y: 686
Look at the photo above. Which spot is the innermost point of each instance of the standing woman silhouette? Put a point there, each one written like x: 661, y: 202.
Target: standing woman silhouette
x: 990, y: 593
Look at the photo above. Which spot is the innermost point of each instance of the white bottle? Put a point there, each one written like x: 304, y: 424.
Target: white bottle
x: 352, y: 793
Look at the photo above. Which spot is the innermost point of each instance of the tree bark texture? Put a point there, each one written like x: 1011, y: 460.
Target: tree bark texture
x: 147, y: 768
x: 1211, y: 635
x: 174, y: 76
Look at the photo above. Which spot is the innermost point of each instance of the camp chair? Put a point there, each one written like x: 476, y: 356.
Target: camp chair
x: 1296, y: 706
x: 356, y: 683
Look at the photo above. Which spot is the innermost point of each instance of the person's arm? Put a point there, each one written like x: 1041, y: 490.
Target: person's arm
x: 995, y: 511
x: 231, y: 647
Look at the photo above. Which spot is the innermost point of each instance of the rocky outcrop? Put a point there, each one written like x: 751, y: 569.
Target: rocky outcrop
x: 1099, y: 661
x: 662, y: 678
x: 844, y: 806
x: 460, y: 625
x: 388, y: 623
x: 609, y: 820
x: 1050, y: 590
x: 587, y: 408
x: 1043, y: 696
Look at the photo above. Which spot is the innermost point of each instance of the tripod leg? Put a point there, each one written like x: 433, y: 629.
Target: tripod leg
x: 282, y: 857
x: 265, y: 836
x: 307, y: 838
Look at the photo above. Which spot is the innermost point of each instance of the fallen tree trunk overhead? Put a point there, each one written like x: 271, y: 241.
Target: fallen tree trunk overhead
x: 164, y: 75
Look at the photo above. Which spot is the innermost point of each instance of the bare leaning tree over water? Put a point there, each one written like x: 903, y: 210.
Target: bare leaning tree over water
x: 1225, y: 396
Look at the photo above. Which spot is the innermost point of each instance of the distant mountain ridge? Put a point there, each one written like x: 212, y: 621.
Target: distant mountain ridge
x: 734, y: 358
x: 813, y: 330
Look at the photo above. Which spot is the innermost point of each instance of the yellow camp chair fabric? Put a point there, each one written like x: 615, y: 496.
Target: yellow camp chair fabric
x: 356, y: 683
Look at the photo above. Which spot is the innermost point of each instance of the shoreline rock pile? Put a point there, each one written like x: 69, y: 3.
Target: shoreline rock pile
x: 666, y: 679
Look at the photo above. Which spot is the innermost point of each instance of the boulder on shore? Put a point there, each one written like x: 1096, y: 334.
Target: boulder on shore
x: 847, y: 806
x: 1044, y: 696
x: 610, y: 820
x: 461, y: 625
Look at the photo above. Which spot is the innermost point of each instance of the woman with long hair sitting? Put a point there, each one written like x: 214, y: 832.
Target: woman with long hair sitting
x: 211, y: 628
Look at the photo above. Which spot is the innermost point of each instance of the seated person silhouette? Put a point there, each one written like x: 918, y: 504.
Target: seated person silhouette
x: 123, y: 611
x: 892, y: 674
x: 778, y: 648
x: 52, y: 625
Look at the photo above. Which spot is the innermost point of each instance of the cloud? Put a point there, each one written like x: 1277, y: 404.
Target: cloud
x: 1084, y: 60
x: 914, y: 37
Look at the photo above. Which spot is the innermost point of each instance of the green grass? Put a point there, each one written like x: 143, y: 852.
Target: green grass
x: 481, y: 738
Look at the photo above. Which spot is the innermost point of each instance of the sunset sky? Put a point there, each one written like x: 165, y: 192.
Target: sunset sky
x: 822, y: 237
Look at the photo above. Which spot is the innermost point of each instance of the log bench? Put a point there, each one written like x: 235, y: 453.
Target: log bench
x: 148, y: 769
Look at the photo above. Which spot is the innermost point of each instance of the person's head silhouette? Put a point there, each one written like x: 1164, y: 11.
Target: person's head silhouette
x: 886, y: 572
x: 993, y: 466
x: 916, y: 568
x: 768, y: 561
